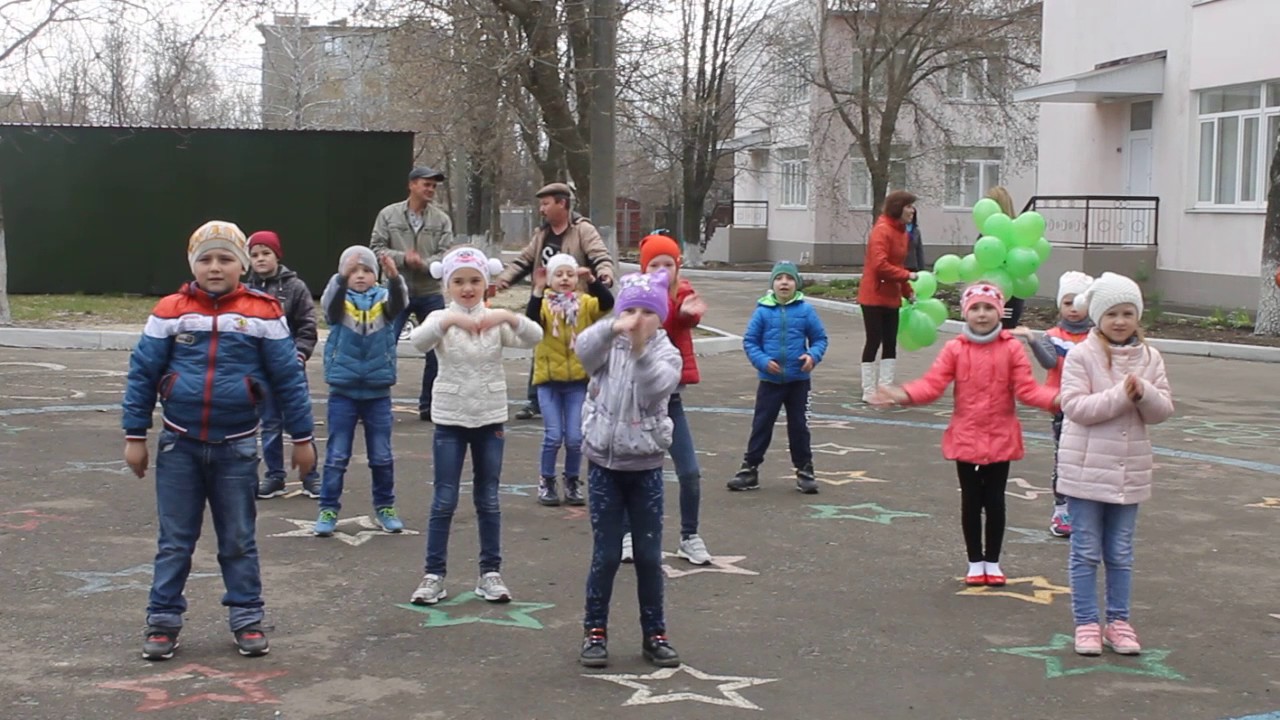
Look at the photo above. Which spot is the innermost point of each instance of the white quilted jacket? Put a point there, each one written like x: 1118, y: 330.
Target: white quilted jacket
x: 1105, y: 453
x: 471, y: 389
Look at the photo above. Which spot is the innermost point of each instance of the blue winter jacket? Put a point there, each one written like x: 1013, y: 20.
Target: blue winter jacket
x: 784, y: 333
x: 211, y: 360
x: 360, y: 352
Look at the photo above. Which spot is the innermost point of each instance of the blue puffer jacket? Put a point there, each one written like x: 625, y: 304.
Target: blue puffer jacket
x: 784, y: 333
x: 360, y: 352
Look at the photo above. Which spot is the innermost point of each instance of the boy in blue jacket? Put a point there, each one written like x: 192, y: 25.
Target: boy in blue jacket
x: 784, y: 341
x: 212, y: 352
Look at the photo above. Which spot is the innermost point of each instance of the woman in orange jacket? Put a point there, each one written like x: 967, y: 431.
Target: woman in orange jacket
x: 884, y: 284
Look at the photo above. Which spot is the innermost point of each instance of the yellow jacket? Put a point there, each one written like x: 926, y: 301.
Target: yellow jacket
x: 554, y: 359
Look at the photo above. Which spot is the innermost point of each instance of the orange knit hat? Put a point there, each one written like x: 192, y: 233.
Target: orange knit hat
x: 651, y: 246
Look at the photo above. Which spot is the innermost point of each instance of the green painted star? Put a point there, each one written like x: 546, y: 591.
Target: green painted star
x: 518, y: 614
x: 1150, y: 662
x: 879, y: 514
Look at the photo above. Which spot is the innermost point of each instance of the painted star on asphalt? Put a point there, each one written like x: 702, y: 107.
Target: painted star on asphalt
x: 1267, y: 502
x: 116, y: 467
x: 96, y: 582
x: 369, y: 529
x: 878, y: 514
x: 248, y: 687
x: 517, y: 614
x: 727, y: 564
x: 831, y: 448
x: 1030, y: 535
x: 840, y: 477
x: 1042, y: 591
x: 30, y: 519
x: 1150, y: 663
x: 727, y: 685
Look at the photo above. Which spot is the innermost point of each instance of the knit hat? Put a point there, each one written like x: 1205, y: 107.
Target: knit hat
x: 648, y: 291
x: 1107, y: 292
x: 362, y: 254
x: 651, y: 246
x: 560, y: 260
x: 981, y: 292
x: 217, y: 235
x: 465, y: 257
x: 1072, y: 282
x: 269, y: 239
x: 786, y: 267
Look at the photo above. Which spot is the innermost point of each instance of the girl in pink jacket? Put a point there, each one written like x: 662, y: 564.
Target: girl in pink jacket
x: 1113, y: 386
x: 989, y: 368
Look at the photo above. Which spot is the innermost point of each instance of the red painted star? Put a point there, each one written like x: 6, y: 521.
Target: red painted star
x: 34, y: 519
x: 249, y: 685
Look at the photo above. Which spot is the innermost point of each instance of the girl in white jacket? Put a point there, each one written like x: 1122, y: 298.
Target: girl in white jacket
x: 469, y: 408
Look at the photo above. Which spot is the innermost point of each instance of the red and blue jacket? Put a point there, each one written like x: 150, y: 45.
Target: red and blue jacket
x: 212, y: 360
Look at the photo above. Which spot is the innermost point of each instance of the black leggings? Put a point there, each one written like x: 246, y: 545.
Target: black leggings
x: 982, y: 488
x: 882, y: 329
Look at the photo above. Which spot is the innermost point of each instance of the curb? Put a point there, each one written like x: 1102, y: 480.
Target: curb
x: 753, y: 275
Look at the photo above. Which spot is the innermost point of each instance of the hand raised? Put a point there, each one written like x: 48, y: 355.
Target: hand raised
x: 389, y: 267
x: 693, y: 306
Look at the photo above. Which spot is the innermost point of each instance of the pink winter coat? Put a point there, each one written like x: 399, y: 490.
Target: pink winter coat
x: 984, y: 426
x: 1105, y: 454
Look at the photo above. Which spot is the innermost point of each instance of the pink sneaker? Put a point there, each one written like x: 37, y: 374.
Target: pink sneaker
x: 1089, y: 639
x: 1121, y: 638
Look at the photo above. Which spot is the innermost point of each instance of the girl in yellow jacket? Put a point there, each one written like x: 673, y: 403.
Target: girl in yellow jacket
x: 563, y: 311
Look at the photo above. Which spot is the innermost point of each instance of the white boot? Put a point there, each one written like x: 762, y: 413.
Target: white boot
x: 870, y: 373
x: 886, y: 371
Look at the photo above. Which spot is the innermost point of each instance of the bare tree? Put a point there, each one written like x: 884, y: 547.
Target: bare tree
x: 1268, y: 319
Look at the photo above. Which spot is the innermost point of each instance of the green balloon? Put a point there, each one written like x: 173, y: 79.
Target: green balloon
x: 947, y: 269
x: 983, y: 209
x: 990, y: 252
x: 934, y: 308
x: 1025, y: 287
x: 906, y: 342
x: 922, y: 329
x: 1027, y: 229
x: 1001, y: 279
x: 1001, y: 226
x: 1021, y: 262
x: 925, y: 285
x: 1043, y: 249
x: 970, y: 270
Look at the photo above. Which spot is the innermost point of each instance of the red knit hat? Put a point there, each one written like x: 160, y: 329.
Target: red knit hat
x: 981, y: 292
x: 268, y: 238
x: 651, y: 246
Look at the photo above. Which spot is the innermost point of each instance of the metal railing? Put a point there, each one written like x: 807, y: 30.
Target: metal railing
x: 1094, y: 221
x: 743, y: 213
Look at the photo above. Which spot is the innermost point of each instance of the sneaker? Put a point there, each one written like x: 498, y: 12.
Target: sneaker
x: 311, y: 487
x: 490, y: 587
x: 1060, y: 524
x: 1089, y: 639
x: 627, y: 554
x: 528, y: 412
x: 547, y: 495
x: 595, y: 649
x: 658, y: 651
x: 573, y: 491
x: 251, y: 641
x: 270, y: 487
x: 389, y: 519
x: 325, y: 524
x: 748, y: 478
x: 694, y: 550
x: 430, y: 591
x: 159, y: 643
x: 1121, y: 638
x: 805, y: 480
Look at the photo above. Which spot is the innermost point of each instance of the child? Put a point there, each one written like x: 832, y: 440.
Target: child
x: 634, y: 369
x: 990, y: 369
x: 784, y: 341
x: 561, y: 383
x: 360, y: 367
x: 211, y: 352
x: 1050, y: 351
x: 469, y: 407
x: 268, y: 275
x: 1113, y: 386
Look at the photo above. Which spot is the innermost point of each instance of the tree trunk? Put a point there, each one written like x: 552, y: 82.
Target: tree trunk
x: 1268, y: 322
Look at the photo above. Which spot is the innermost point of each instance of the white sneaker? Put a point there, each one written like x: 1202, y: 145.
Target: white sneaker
x: 430, y: 591
x: 490, y: 587
x: 627, y: 555
x: 694, y: 550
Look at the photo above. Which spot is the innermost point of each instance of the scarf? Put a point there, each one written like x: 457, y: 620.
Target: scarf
x: 981, y: 339
x: 1076, y: 328
x: 564, y: 308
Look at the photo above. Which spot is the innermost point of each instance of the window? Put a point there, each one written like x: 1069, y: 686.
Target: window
x: 880, y: 74
x: 970, y: 173
x: 860, y: 180
x: 794, y: 172
x: 791, y: 71
x: 334, y: 45
x: 1233, y: 157
x: 979, y: 80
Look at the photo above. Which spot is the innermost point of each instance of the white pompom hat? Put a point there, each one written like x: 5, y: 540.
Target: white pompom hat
x: 465, y: 257
x: 1106, y: 292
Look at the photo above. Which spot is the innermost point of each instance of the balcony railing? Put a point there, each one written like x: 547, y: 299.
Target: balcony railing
x: 743, y: 213
x: 1099, y: 221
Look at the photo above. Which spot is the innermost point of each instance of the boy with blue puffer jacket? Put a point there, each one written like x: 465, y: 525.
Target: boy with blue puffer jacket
x: 784, y: 341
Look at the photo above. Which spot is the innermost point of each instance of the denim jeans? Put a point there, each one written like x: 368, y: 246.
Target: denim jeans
x: 771, y: 397
x: 450, y: 448
x: 614, y: 495
x: 344, y: 413
x: 189, y: 474
x: 561, y: 404
x: 420, y: 307
x: 684, y: 457
x: 1101, y: 532
x: 273, y: 441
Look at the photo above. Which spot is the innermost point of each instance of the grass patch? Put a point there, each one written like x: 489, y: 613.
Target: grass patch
x: 840, y: 289
x: 80, y: 310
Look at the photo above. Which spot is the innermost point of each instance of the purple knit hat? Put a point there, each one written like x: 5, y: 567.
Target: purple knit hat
x: 643, y: 290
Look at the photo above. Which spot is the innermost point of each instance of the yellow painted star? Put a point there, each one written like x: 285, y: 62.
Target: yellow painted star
x: 1042, y: 591
x: 1267, y: 502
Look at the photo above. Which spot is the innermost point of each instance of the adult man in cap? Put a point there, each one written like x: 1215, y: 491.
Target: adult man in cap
x: 414, y: 233
x: 562, y: 231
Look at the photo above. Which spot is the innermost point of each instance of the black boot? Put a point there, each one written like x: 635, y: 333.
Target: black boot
x: 573, y: 491
x: 658, y: 651
x: 748, y: 478
x: 547, y: 494
x: 595, y: 649
x: 806, y: 482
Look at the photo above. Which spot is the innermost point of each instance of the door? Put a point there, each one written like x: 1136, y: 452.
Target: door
x: 1139, y: 180
x: 1138, y: 220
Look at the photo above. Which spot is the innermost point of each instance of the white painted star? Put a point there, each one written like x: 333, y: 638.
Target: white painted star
x: 109, y: 466
x: 831, y: 448
x: 371, y: 529
x: 96, y: 582
x: 728, y: 687
x: 727, y: 564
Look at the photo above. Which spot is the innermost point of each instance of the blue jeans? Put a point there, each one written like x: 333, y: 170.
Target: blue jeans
x: 273, y: 441
x: 637, y: 495
x: 344, y: 413
x: 561, y: 404
x: 1101, y: 532
x: 189, y: 474
x: 685, y: 458
x: 450, y: 448
x: 420, y: 307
